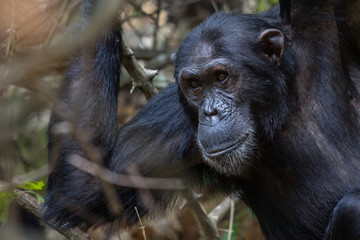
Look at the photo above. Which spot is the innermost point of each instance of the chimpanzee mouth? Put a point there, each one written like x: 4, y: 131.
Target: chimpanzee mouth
x: 232, y: 159
x: 232, y: 146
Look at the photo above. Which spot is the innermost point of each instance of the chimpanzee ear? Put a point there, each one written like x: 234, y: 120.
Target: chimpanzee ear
x: 272, y: 41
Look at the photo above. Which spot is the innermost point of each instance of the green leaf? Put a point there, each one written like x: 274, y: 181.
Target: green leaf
x: 39, y: 197
x: 33, y: 186
x: 5, y: 200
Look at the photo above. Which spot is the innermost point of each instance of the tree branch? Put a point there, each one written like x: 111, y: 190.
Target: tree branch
x: 142, y: 77
x: 34, y: 207
x: 31, y: 205
x: 132, y: 181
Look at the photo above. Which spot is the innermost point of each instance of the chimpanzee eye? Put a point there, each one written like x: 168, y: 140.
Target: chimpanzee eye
x: 221, y: 76
x: 195, y: 83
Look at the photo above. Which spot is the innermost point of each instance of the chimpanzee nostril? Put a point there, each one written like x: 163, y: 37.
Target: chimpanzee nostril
x: 211, y: 111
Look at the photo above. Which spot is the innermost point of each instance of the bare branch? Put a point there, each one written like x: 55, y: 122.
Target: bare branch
x: 91, y: 152
x: 34, y: 207
x: 131, y: 181
x: 31, y: 205
x: 30, y: 176
x: 142, y: 77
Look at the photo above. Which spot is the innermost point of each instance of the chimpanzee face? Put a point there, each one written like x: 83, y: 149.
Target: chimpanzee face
x: 219, y: 80
x: 226, y: 128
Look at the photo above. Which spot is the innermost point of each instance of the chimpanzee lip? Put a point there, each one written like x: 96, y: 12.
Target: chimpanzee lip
x: 221, y: 151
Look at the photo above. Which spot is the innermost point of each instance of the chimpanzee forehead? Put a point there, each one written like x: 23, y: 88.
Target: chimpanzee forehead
x: 203, y: 51
x: 221, y: 36
x: 209, y: 45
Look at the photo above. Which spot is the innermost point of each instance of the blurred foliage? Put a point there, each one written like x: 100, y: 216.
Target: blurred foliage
x: 152, y: 28
x: 6, y: 198
x: 263, y: 5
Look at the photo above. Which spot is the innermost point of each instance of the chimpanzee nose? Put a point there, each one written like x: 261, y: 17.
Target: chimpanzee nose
x: 210, y: 110
x: 211, y: 113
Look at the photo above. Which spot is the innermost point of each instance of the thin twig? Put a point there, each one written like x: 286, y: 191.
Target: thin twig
x: 61, y: 14
x: 218, y: 213
x: 158, y: 10
x: 213, y: 3
x: 207, y: 229
x: 11, y: 30
x: 142, y: 227
x: 232, y: 210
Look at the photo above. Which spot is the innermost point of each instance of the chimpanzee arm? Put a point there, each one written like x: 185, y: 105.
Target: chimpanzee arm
x: 345, y: 220
x: 159, y: 140
x: 161, y: 135
x: 89, y: 93
x: 90, y: 88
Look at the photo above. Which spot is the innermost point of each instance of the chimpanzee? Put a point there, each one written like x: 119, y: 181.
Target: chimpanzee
x: 265, y: 107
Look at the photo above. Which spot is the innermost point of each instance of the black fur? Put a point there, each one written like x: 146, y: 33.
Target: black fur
x: 90, y: 93
x: 301, y: 176
x: 345, y: 221
x: 285, y: 10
